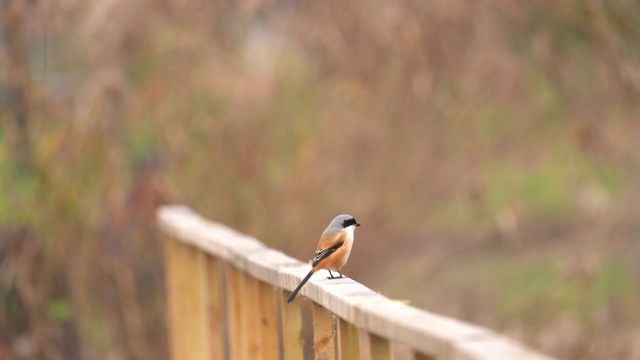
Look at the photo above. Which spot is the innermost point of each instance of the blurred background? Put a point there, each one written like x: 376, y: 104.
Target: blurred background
x: 491, y: 150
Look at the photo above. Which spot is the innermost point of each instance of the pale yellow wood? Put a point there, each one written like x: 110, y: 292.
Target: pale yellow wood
x: 291, y: 322
x: 380, y: 347
x: 348, y: 341
x: 253, y: 346
x: 187, y: 298
x: 425, y: 332
x: 173, y: 277
x: 323, y: 336
x: 236, y: 313
x: 215, y: 283
x: 268, y: 321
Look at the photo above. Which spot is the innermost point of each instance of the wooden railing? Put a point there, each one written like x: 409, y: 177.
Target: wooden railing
x: 227, y: 297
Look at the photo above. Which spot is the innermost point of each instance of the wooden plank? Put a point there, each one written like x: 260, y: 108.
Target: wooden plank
x: 173, y: 279
x: 364, y: 345
x: 215, y: 292
x: 187, y: 298
x: 268, y: 321
x: 291, y: 332
x: 252, y: 326
x: 422, y: 331
x: 236, y: 313
x: 182, y: 224
x: 380, y: 348
x: 348, y: 341
x: 486, y: 349
x: 323, y: 336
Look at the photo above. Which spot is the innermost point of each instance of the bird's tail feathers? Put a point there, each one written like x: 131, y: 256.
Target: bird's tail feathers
x: 304, y: 281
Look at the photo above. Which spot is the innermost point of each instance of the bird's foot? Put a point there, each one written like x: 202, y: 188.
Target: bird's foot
x: 330, y: 277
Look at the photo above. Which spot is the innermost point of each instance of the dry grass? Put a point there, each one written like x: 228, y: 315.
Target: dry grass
x: 489, y: 148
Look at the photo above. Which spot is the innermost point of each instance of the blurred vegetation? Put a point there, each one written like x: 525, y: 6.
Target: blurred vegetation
x: 489, y: 149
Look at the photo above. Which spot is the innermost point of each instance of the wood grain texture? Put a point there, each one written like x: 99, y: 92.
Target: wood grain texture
x: 251, y: 319
x: 379, y: 347
x: 215, y: 305
x: 236, y: 313
x: 291, y: 332
x: 427, y: 333
x: 348, y: 341
x: 324, y: 347
x: 268, y: 321
x: 187, y: 301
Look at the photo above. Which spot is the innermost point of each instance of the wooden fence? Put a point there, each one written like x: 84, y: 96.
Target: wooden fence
x: 227, y: 296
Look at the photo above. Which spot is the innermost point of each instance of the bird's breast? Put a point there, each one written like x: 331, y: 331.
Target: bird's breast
x: 348, y: 244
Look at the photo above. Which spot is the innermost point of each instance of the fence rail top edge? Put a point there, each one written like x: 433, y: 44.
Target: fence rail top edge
x: 421, y: 330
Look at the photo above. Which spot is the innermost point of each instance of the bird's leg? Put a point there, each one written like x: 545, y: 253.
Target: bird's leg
x: 335, y: 277
x: 330, y: 275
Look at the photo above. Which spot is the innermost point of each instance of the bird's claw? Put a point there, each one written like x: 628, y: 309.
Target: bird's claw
x: 330, y: 277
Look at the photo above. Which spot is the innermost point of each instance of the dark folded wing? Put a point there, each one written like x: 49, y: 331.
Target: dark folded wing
x: 322, y: 254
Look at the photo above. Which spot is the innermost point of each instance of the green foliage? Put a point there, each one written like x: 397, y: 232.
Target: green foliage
x: 545, y: 287
x: 615, y: 281
x: 60, y: 310
x: 540, y: 189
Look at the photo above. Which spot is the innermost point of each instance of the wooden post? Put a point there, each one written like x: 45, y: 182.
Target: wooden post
x: 187, y: 301
x: 348, y: 340
x: 323, y: 337
x: 236, y: 296
x: 291, y: 322
x: 380, y: 347
x: 268, y: 321
x: 215, y: 285
x: 252, y: 326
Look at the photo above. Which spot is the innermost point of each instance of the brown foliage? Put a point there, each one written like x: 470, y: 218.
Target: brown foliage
x: 460, y: 133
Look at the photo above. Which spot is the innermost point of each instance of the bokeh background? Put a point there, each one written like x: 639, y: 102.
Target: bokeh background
x: 491, y: 150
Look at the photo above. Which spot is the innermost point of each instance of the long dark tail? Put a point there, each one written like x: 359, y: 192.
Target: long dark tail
x: 304, y: 281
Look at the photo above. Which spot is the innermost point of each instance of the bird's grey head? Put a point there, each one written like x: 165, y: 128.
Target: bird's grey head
x: 342, y: 222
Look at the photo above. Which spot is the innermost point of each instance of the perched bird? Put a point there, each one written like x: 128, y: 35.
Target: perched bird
x: 333, y: 249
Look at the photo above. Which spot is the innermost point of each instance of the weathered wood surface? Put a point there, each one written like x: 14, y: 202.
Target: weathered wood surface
x: 236, y: 314
x: 429, y: 334
x: 268, y: 321
x: 324, y: 344
x: 188, y: 301
x: 380, y: 348
x: 291, y: 320
x: 215, y: 292
x: 348, y: 341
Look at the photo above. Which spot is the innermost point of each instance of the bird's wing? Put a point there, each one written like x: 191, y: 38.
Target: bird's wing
x: 327, y: 245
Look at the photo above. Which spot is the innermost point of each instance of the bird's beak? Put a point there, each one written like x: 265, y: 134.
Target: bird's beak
x: 357, y: 224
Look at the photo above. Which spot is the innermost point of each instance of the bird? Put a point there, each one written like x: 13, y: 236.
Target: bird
x: 333, y: 249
